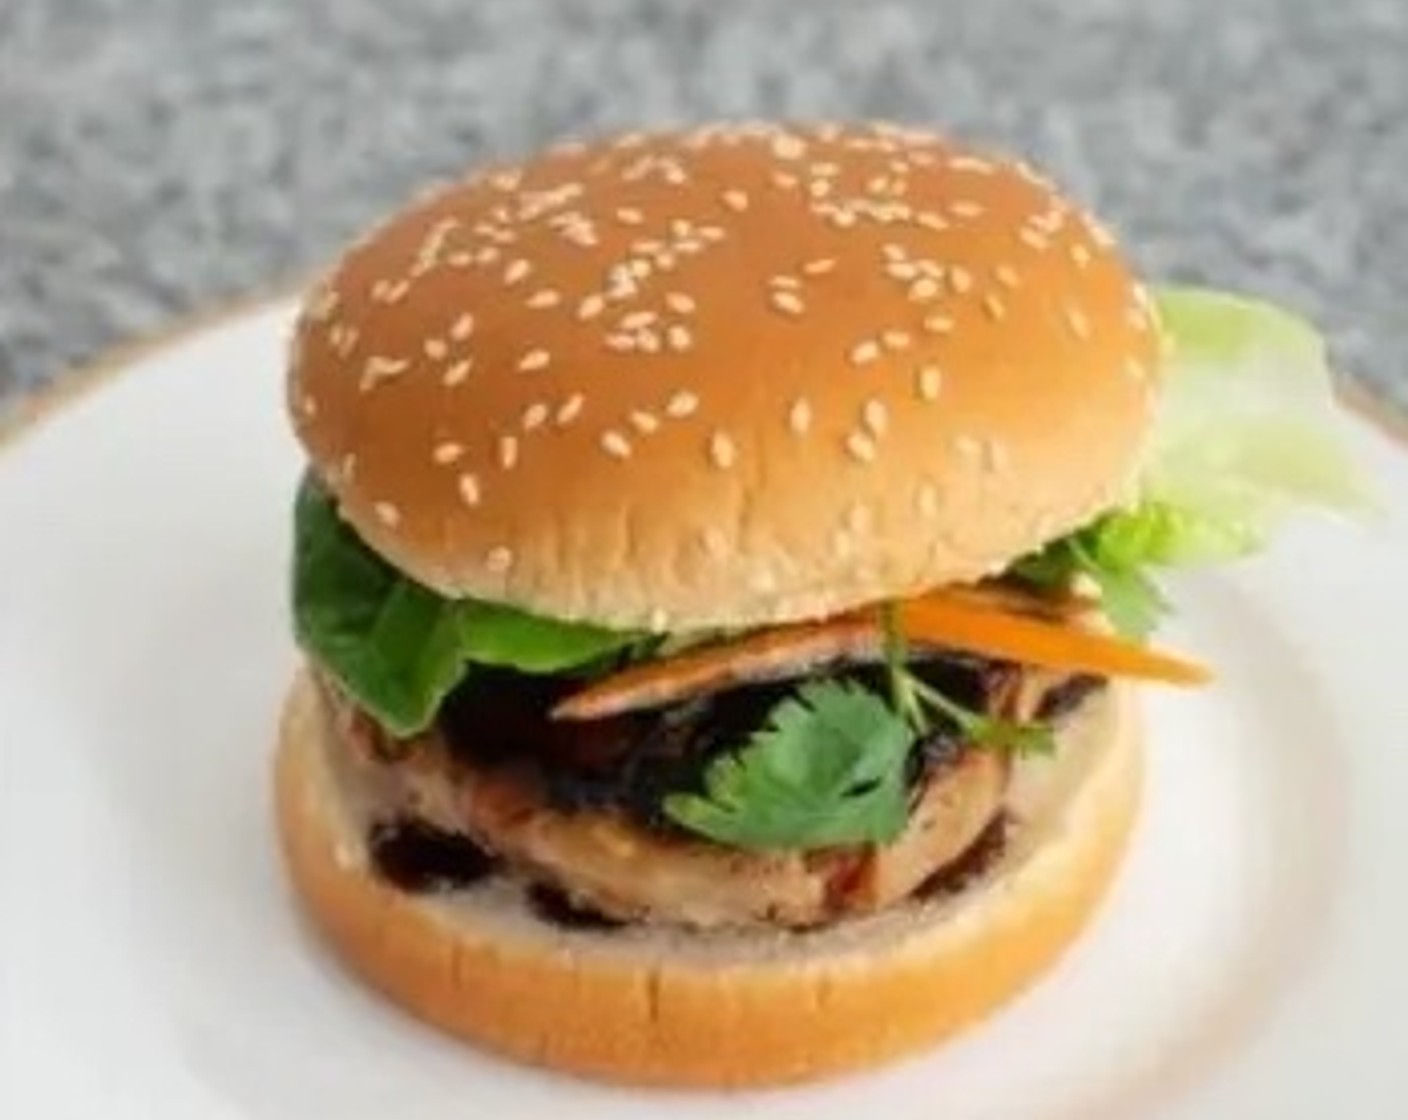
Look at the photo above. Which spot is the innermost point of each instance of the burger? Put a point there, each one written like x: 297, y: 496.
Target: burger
x: 724, y: 566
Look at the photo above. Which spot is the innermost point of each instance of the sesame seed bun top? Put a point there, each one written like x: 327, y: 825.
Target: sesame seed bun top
x: 726, y: 376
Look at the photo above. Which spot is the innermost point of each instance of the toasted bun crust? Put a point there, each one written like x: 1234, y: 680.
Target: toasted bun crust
x: 724, y: 377
x: 668, y: 1007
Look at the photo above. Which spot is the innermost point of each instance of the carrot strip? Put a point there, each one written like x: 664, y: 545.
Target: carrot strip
x: 948, y: 620
x: 972, y: 620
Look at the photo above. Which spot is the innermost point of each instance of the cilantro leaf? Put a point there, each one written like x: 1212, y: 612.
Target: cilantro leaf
x: 827, y: 769
x: 397, y: 646
x: 983, y: 729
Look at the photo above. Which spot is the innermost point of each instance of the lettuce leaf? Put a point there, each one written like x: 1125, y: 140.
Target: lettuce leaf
x: 1248, y: 432
x: 398, y: 647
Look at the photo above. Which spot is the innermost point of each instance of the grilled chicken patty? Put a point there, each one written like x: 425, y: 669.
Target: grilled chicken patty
x: 576, y: 806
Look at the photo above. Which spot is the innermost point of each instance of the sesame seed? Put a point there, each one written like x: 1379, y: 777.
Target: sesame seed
x: 569, y: 409
x: 711, y: 233
x: 970, y: 163
x: 924, y: 289
x: 457, y: 372
x: 635, y: 320
x: 788, y: 147
x: 799, y: 416
x: 965, y: 209
x: 931, y: 221
x: 1033, y: 239
x: 629, y: 216
x: 644, y: 422
x: 508, y: 452
x: 938, y: 324
x: 591, y: 306
x: 615, y: 444
x: 895, y: 340
x: 447, y: 452
x: 960, y: 279
x: 993, y: 306
x: 347, y: 467
x: 308, y: 405
x: 462, y: 327
x: 346, y: 342
x: 1078, y: 322
x: 322, y: 305
x: 902, y: 270
x: 861, y: 447
x: 534, y: 416
x: 506, y: 180
x: 499, y: 560
x: 1080, y: 254
x: 1006, y: 275
x: 377, y: 369
x: 893, y: 252
x: 968, y: 447
x: 622, y: 343
x: 843, y: 219
x: 517, y: 270
x: 682, y: 404
x: 784, y: 181
x: 1100, y: 234
x: 639, y: 268
x: 648, y: 341
x: 722, y: 450
x: 680, y: 302
x: 534, y: 359
x: 387, y: 513
x: 460, y: 259
x: 435, y: 348
x: 930, y: 379
x: 864, y: 352
x: 679, y: 337
x: 819, y: 188
x: 735, y: 200
x: 789, y: 303
x: 544, y: 297
x: 859, y: 518
x: 819, y: 267
x: 487, y: 255
x: 875, y: 416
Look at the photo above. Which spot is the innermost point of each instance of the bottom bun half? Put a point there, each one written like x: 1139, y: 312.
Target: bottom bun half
x: 653, y: 1005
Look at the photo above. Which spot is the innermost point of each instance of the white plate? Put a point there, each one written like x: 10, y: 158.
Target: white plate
x: 1253, y: 961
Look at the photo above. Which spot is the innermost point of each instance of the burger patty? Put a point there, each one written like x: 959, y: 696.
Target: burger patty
x: 575, y: 806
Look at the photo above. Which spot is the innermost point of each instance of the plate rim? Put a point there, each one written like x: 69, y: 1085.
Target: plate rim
x: 37, y: 407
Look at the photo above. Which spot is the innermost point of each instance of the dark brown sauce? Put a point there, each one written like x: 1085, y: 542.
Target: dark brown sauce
x: 555, y: 907
x: 1066, y: 697
x: 976, y: 861
x: 631, y: 762
x: 421, y: 859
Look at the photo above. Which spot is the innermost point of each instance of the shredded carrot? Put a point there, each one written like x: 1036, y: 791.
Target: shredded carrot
x: 973, y: 620
x: 948, y: 620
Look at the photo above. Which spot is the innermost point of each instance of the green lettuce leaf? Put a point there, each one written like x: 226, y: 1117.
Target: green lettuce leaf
x: 1248, y: 432
x: 398, y: 647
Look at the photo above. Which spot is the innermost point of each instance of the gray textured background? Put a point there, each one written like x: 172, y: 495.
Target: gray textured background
x: 160, y: 155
